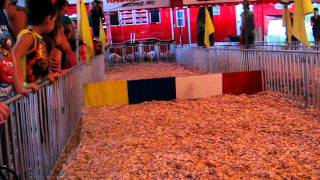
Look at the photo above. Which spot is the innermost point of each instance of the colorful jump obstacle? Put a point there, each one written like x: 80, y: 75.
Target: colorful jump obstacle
x: 171, y: 88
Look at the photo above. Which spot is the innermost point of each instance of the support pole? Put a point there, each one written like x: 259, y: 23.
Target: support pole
x: 189, y: 27
x: 78, y: 32
x: 262, y: 5
x: 246, y: 35
x: 287, y: 29
x: 172, y: 23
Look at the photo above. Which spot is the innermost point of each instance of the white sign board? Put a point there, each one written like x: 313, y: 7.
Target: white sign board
x: 137, y: 4
x: 189, y: 2
x: 75, y: 1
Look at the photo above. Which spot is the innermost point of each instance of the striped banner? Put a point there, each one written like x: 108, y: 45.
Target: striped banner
x: 171, y: 88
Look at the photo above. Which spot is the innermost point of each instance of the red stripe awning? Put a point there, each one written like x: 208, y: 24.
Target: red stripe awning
x: 179, y: 2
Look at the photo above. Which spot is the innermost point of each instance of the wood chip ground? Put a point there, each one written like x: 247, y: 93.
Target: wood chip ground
x: 262, y: 136
x: 148, y: 71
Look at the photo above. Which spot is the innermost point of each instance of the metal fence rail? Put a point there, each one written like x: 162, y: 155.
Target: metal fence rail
x: 294, y: 73
x: 41, y: 123
x: 140, y: 52
x: 315, y: 46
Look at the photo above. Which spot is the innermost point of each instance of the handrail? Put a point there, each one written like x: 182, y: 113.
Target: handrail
x: 46, y: 82
x: 41, y: 123
x: 252, y: 49
x: 294, y: 73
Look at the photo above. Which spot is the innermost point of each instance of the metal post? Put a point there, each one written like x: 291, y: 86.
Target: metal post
x: 189, y: 26
x: 141, y: 53
x: 157, y: 50
x: 245, y: 3
x: 262, y: 5
x: 287, y: 29
x: 172, y: 23
x: 173, y: 50
x: 78, y: 32
x: 124, y: 53
x: 305, y: 79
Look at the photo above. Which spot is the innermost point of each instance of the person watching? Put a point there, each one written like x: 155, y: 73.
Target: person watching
x: 30, y: 57
x: 315, y: 23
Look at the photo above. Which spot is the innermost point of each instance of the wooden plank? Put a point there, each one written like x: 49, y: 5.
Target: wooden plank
x: 242, y: 82
x: 196, y: 87
x: 151, y: 89
x: 106, y: 93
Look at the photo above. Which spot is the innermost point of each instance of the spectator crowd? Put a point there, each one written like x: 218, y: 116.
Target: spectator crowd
x: 37, y: 43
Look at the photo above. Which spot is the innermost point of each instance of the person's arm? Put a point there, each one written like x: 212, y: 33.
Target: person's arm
x: 55, y: 64
x: 70, y: 55
x: 21, y: 48
x: 55, y: 59
x: 4, y: 112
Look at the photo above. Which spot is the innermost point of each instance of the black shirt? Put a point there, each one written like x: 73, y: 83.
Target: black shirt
x: 315, y: 21
x: 96, y: 15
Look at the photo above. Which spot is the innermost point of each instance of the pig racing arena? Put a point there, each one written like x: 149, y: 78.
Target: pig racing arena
x: 168, y: 121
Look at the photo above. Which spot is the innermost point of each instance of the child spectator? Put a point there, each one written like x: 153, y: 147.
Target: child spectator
x: 31, y: 62
x: 62, y: 42
x: 70, y: 33
x: 62, y: 6
x: 55, y: 55
x: 17, y: 16
x: 82, y: 51
x: 6, y: 64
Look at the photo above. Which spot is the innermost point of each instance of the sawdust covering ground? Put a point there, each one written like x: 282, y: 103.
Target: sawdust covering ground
x: 148, y: 71
x: 262, y: 136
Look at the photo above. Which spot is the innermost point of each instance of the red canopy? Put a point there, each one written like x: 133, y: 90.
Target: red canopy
x: 179, y: 2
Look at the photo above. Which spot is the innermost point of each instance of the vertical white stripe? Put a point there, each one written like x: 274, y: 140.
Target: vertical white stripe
x: 189, y: 26
x: 172, y: 23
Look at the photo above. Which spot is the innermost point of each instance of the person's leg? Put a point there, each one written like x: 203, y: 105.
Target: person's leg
x: 251, y: 39
x: 315, y: 37
x: 96, y: 31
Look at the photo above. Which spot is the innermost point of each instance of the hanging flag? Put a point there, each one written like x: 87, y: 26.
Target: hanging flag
x: 102, y: 37
x: 286, y: 19
x: 85, y: 31
x: 302, y: 8
x: 307, y: 6
x: 209, y: 28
